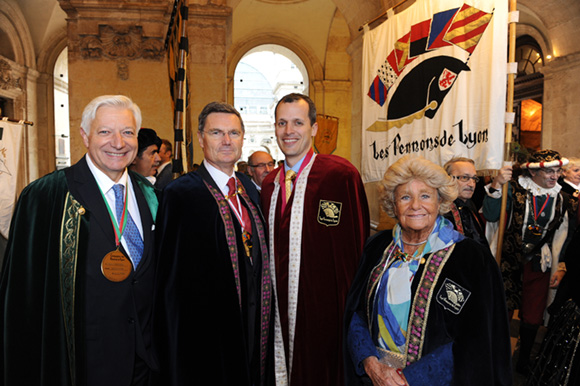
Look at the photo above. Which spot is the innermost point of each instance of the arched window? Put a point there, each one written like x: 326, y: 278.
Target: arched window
x: 528, y: 93
x: 263, y: 76
x: 61, y: 116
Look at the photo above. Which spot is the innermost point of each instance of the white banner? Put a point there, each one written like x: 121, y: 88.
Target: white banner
x: 434, y: 85
x: 10, y: 140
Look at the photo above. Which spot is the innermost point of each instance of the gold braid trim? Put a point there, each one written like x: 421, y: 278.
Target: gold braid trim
x: 69, y: 234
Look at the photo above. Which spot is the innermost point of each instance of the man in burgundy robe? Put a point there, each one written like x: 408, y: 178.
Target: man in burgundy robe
x: 318, y: 222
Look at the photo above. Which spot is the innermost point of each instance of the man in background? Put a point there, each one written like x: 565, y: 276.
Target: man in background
x: 260, y: 164
x: 464, y: 214
x: 531, y: 262
x: 165, y: 170
x: 147, y: 160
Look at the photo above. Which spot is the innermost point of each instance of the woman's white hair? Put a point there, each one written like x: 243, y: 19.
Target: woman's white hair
x: 411, y: 168
x: 119, y: 101
x: 572, y: 161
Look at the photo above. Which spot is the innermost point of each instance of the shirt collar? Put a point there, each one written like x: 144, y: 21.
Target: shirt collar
x: 163, y: 165
x: 220, y: 178
x: 296, y: 167
x: 577, y: 187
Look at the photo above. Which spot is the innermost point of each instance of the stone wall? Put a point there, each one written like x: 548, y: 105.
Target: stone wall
x: 118, y: 48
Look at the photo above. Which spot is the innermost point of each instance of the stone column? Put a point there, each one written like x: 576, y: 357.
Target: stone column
x: 209, y: 34
x: 561, y: 110
x: 44, y: 125
x: 336, y: 103
x: 378, y: 217
x: 355, y: 52
x: 16, y: 83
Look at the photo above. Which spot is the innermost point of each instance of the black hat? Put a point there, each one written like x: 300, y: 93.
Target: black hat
x: 146, y: 138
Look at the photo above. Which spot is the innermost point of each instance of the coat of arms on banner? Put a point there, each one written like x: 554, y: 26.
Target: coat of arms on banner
x: 433, y: 85
x: 3, y: 157
x: 10, y: 141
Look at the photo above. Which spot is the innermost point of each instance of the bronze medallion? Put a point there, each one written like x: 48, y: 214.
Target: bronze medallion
x: 115, y: 266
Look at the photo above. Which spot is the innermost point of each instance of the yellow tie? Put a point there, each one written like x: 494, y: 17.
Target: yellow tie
x: 290, y: 176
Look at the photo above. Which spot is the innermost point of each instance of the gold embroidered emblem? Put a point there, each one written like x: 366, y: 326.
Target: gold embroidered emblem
x: 329, y: 212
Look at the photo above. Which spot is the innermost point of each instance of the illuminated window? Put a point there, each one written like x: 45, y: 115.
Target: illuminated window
x: 528, y: 94
x: 262, y: 77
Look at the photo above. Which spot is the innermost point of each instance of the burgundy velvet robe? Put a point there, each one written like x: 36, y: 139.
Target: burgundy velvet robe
x: 329, y: 260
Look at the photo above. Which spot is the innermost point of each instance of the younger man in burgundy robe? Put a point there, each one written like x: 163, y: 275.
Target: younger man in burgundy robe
x: 316, y: 239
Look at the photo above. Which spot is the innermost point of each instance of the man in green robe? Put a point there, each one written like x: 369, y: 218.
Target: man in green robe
x: 77, y: 279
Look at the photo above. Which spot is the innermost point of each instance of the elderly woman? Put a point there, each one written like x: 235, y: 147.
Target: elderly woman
x: 570, y: 182
x: 427, y: 305
x: 571, y: 177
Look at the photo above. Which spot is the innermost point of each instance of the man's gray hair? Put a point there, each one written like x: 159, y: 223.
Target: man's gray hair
x: 453, y: 160
x: 119, y: 101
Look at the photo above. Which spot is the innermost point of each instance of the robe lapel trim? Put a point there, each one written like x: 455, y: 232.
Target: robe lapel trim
x: 266, y: 281
x: 457, y: 219
x: 68, y: 254
x: 224, y: 209
x: 295, y: 248
x: 148, y: 191
x: 225, y: 212
x: 419, y: 312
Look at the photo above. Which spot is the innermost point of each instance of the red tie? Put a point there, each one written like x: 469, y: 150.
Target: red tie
x: 232, y: 192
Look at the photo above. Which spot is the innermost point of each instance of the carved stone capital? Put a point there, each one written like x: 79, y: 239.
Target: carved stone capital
x: 7, y: 80
x: 127, y: 43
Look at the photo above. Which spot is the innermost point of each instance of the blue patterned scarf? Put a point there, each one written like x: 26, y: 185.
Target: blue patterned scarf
x: 393, y: 297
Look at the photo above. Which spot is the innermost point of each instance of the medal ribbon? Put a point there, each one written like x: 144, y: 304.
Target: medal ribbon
x: 121, y: 227
x: 536, y: 213
x: 283, y: 176
x: 236, y: 207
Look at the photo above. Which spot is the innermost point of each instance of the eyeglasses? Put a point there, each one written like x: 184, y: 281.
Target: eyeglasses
x: 467, y: 178
x: 218, y: 134
x: 551, y: 172
x: 262, y: 165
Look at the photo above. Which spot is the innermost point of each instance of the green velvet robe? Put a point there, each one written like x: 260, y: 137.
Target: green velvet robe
x: 41, y: 293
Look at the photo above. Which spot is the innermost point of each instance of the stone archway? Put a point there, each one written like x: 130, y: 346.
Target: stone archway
x: 14, y: 25
x: 18, y: 79
x: 313, y: 66
x: 357, y: 13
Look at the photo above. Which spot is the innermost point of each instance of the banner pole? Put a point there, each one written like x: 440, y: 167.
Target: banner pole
x: 180, y: 117
x: 177, y: 33
x: 508, y: 126
x: 13, y: 120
